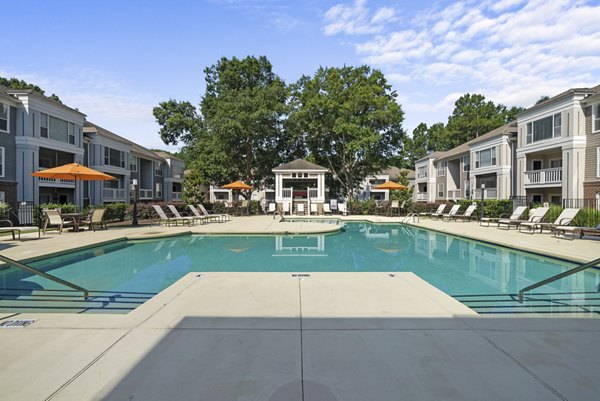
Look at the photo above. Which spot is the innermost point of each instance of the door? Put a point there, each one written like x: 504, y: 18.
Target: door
x: 536, y: 164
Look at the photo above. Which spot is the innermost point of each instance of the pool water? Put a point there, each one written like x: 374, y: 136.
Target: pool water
x: 125, y: 274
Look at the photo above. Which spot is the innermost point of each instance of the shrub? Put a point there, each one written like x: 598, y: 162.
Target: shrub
x: 63, y: 207
x: 4, y: 211
x: 114, y: 211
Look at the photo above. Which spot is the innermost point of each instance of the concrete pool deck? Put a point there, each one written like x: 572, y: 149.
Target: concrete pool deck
x: 280, y: 336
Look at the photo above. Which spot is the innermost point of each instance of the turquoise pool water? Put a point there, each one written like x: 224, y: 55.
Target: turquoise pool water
x: 483, y: 276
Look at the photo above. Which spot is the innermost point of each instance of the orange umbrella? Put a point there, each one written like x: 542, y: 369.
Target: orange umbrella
x: 237, y: 185
x: 73, y: 171
x: 391, y: 185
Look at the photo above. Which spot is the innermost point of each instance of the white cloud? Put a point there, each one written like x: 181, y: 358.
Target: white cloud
x: 353, y: 19
x: 512, y: 51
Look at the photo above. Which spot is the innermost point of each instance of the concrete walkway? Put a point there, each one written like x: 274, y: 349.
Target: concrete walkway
x: 276, y: 337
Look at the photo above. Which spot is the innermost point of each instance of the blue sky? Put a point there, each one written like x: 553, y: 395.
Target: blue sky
x: 115, y: 60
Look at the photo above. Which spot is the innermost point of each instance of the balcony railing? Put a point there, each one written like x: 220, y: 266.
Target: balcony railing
x: 177, y: 196
x: 113, y: 193
x: 145, y: 193
x: 422, y: 197
x: 454, y: 194
x: 422, y: 175
x: 56, y: 181
x: 286, y: 193
x: 545, y: 176
x: 489, y: 193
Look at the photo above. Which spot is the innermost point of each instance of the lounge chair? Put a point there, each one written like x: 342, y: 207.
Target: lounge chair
x: 94, y: 219
x: 203, y: 214
x: 168, y: 220
x: 592, y: 231
x: 563, y: 220
x: 285, y: 208
x: 334, y: 205
x: 12, y: 229
x: 514, y: 217
x: 450, y: 215
x: 314, y: 208
x: 53, y: 218
x: 326, y: 208
x: 206, y: 213
x: 467, y: 215
x: 342, y: 209
x: 245, y: 207
x: 394, y: 206
x: 272, y: 208
x: 300, y: 208
x: 536, y: 216
x: 189, y: 219
x: 439, y: 212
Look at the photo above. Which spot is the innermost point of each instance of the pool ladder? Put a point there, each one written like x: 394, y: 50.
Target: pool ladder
x: 40, y: 273
x: 408, y: 217
x: 564, y: 274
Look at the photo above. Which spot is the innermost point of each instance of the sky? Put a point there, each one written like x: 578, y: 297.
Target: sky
x: 116, y: 60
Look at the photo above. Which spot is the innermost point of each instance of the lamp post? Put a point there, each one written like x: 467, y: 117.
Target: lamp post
x: 482, y: 197
x: 134, y: 218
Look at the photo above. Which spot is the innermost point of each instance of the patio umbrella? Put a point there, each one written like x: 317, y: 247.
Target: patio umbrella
x: 391, y: 185
x: 73, y: 171
x: 239, y: 185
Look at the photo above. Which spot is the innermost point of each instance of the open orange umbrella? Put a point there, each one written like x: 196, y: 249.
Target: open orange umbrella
x: 391, y: 185
x: 73, y: 171
x: 237, y: 185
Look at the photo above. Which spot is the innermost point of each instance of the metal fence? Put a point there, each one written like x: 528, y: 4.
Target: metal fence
x: 589, y: 211
x: 24, y: 214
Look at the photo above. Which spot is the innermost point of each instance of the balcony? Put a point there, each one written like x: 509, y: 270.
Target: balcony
x: 422, y: 197
x: 544, y: 177
x: 177, y: 195
x: 488, y: 193
x: 113, y: 194
x: 55, y: 182
x: 454, y: 194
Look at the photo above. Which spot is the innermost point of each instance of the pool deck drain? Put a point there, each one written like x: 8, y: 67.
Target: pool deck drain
x: 327, y: 336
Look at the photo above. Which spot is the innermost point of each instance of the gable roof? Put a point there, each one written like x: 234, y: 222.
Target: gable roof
x: 569, y: 92
x: 299, y: 164
x: 30, y: 92
x: 90, y: 127
x: 167, y: 155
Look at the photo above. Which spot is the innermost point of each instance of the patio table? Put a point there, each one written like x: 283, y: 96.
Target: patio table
x: 75, y: 218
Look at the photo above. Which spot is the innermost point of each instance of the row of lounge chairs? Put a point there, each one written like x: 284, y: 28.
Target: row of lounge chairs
x: 453, y: 214
x: 316, y: 209
x: 199, y: 214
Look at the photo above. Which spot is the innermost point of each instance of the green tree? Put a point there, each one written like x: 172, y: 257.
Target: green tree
x: 350, y: 120
x: 194, y: 190
x: 474, y: 116
x: 425, y: 140
x: 542, y: 99
x: 405, y: 195
x: 238, y: 133
x: 14, y: 83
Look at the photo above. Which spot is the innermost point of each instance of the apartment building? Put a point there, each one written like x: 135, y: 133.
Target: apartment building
x: 550, y: 154
x: 38, y: 133
x: 369, y: 190
x: 481, y: 164
x: 552, y: 147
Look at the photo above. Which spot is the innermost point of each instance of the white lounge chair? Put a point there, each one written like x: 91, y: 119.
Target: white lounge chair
x: 189, y: 219
x: 395, y: 205
x: 96, y: 218
x: 314, y: 209
x: 467, y: 215
x: 535, y: 217
x: 450, y: 215
x: 12, y: 229
x: 222, y: 216
x: 564, y: 219
x: 285, y: 208
x: 166, y: 219
x: 326, y: 208
x: 272, y: 208
x: 342, y: 208
x: 300, y: 208
x: 515, y: 216
x: 204, y: 216
x: 439, y: 212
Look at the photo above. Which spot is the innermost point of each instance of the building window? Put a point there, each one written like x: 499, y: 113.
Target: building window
x: 159, y: 189
x: 440, y: 190
x: 1, y: 162
x: 544, y: 128
x: 556, y: 163
x: 596, y: 117
x: 598, y: 162
x: 44, y: 125
x: 555, y: 199
x: 133, y: 162
x: 485, y: 158
x: 422, y: 172
x: 113, y: 157
x: 71, y: 132
x: 441, y: 169
x: 158, y: 169
x: 4, y: 117
x: 466, y: 162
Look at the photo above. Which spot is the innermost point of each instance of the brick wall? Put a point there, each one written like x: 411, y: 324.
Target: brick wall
x: 10, y: 191
x: 590, y: 189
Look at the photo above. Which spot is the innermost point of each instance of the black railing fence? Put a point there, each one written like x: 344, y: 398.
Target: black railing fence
x: 24, y: 214
x: 589, y: 211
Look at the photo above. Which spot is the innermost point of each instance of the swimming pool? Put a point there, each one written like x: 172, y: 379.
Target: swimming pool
x: 125, y: 274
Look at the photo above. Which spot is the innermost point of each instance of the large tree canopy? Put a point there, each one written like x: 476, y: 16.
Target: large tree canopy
x: 238, y: 133
x: 474, y: 116
x: 425, y: 140
x: 14, y: 83
x: 350, y: 120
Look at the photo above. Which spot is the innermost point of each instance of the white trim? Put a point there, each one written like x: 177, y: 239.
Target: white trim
x: 595, y: 117
x: 441, y: 171
x: 7, y: 117
x: 537, y: 160
x: 443, y: 191
x: 598, y: 162
x: 553, y: 160
x: 3, y: 164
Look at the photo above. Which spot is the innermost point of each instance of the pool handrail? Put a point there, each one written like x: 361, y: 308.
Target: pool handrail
x: 557, y: 277
x: 9, y: 261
